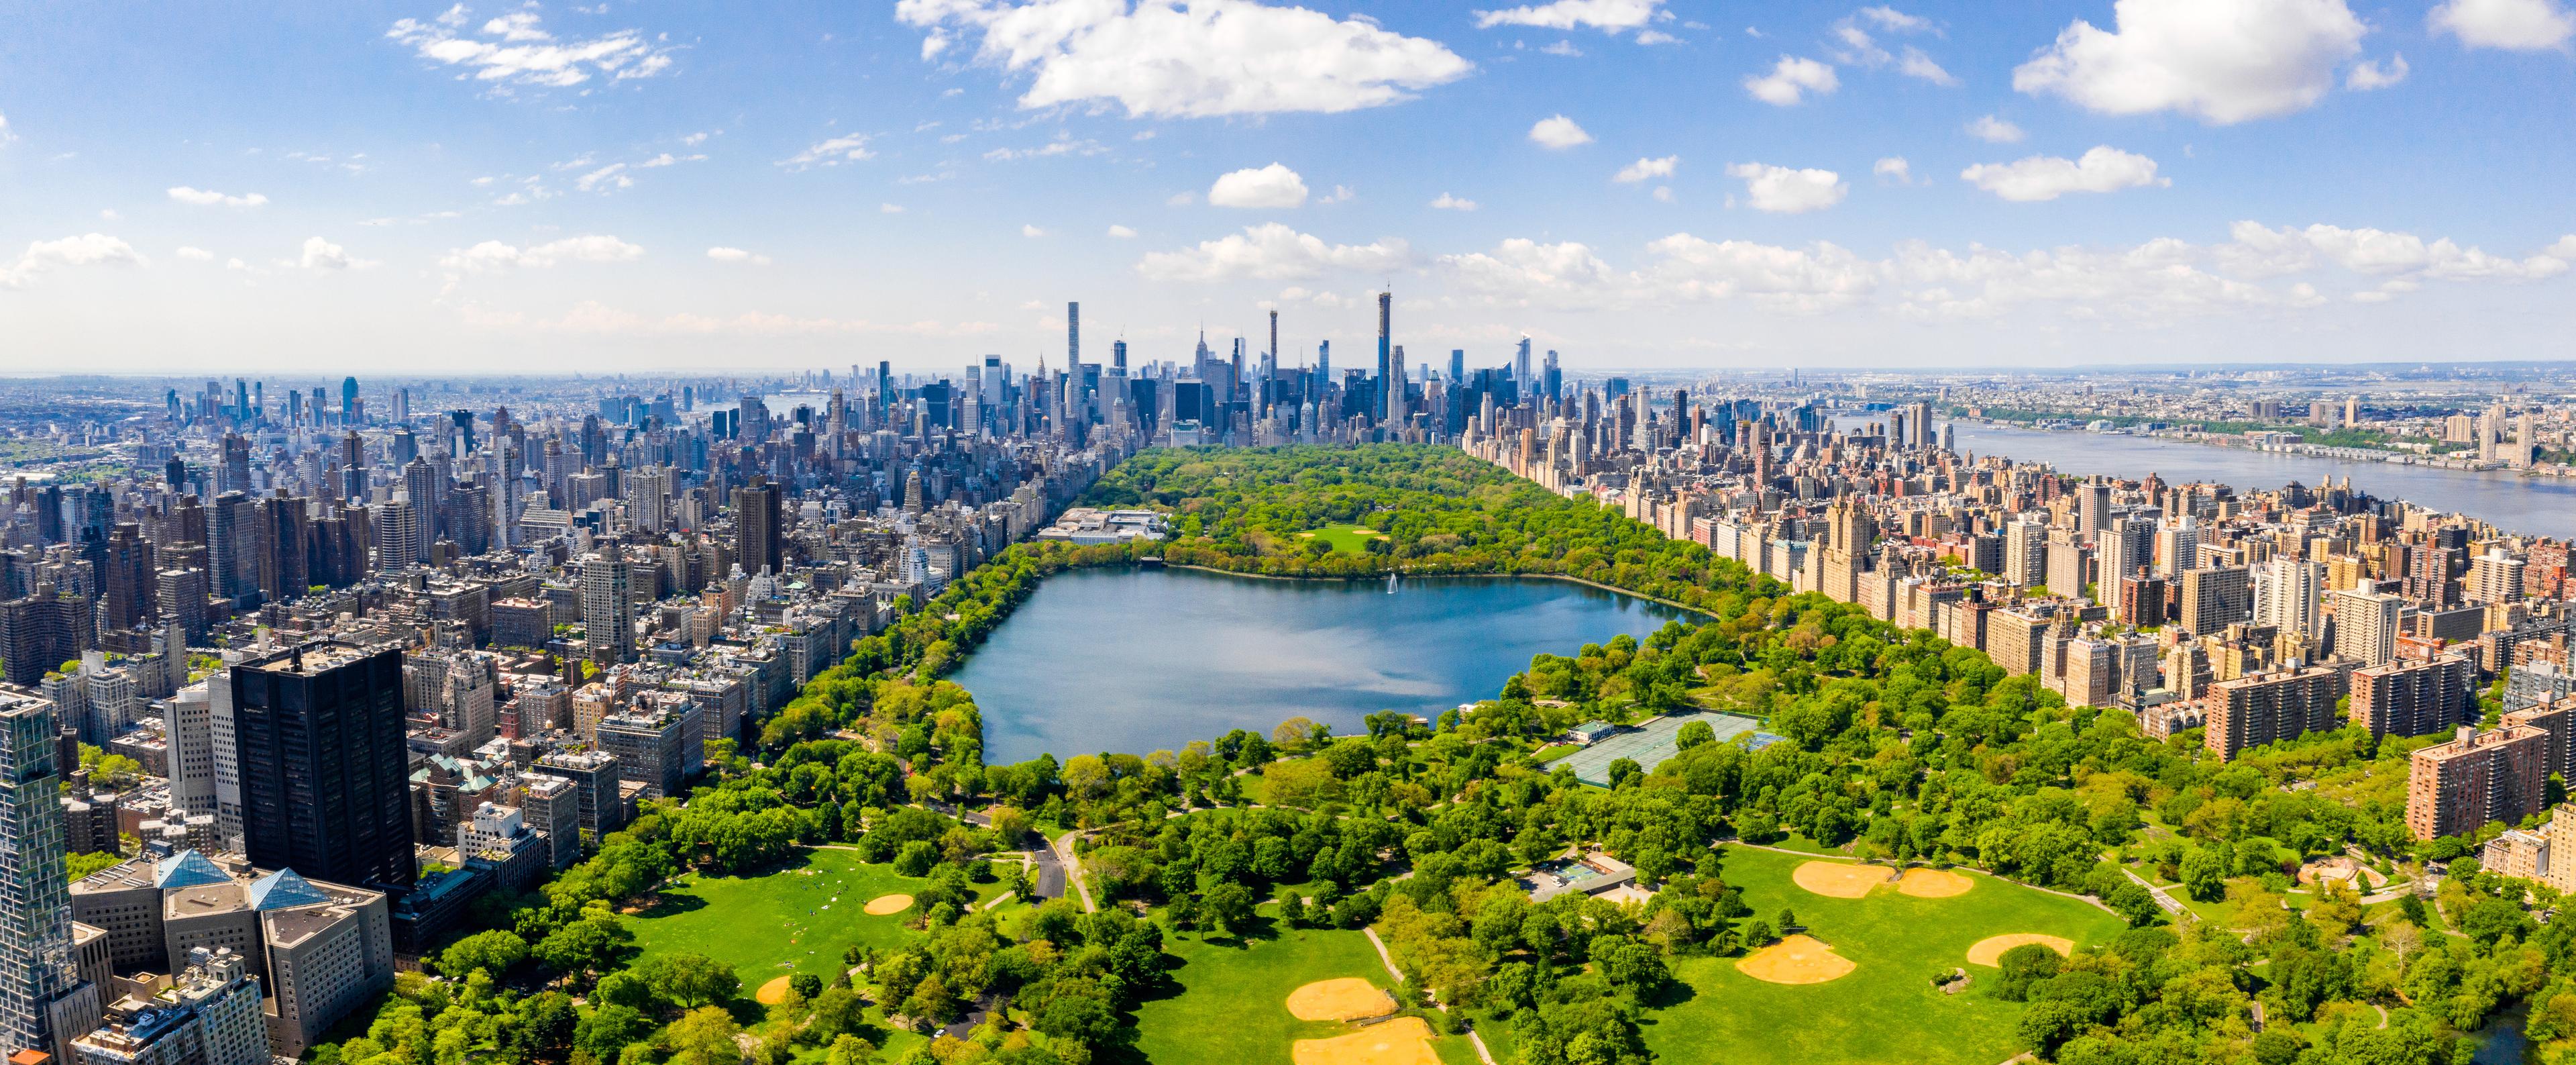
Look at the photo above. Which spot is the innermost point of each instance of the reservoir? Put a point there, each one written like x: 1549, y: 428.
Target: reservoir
x: 2535, y: 505
x: 1144, y: 660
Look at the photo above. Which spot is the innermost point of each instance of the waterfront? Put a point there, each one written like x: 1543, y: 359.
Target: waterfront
x: 1127, y: 660
x: 2536, y: 505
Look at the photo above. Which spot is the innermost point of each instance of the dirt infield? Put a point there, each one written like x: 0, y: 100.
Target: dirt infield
x: 1347, y: 999
x: 1934, y: 883
x: 886, y: 904
x: 1989, y: 952
x: 1839, y: 880
x: 1402, y: 1041
x: 1796, y: 960
x: 771, y: 993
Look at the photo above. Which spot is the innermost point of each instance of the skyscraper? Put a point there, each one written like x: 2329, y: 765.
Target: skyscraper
x: 1390, y: 383
x: 37, y: 973
x: 608, y: 607
x: 325, y: 777
x: 757, y: 527
x: 1073, y: 337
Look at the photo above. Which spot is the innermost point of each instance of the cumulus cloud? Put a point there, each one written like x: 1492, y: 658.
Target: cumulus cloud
x: 493, y: 256
x: 1994, y: 130
x: 2371, y: 74
x: 2513, y: 25
x: 1782, y: 190
x: 1448, y: 202
x: 1855, y: 45
x: 1612, y: 16
x: 514, y: 50
x: 1644, y: 169
x: 196, y: 255
x: 1122, y: 232
x: 848, y: 148
x: 2044, y: 177
x: 2261, y: 251
x: 2224, y: 61
x: 1270, y: 187
x: 1275, y: 252
x: 88, y: 249
x: 732, y: 255
x: 1893, y: 170
x: 1558, y: 133
x: 320, y: 254
x: 1187, y: 58
x: 211, y: 198
x: 1031, y: 232
x: 1790, y: 80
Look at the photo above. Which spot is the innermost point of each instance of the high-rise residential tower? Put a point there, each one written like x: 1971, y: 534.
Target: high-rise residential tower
x: 325, y: 776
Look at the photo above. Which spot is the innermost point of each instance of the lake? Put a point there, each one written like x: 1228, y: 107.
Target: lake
x: 2535, y: 505
x: 1143, y: 660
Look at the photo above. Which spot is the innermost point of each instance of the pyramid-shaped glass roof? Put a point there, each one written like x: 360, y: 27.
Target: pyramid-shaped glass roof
x: 284, y: 890
x: 186, y: 869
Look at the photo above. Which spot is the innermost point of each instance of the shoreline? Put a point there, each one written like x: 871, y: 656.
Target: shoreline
x: 1692, y: 610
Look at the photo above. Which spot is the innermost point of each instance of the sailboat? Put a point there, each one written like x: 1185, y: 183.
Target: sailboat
x: 1390, y: 584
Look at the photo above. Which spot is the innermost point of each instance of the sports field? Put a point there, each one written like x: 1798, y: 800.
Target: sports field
x: 1884, y: 1008
x: 798, y: 918
x: 1348, y: 539
x: 1650, y: 743
x: 1234, y: 1004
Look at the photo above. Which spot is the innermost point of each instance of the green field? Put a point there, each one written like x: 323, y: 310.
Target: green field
x: 774, y: 924
x: 1232, y: 1004
x: 1885, y: 1011
x: 1348, y: 539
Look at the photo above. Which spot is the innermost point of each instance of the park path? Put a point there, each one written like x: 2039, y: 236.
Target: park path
x: 1388, y: 960
x: 2085, y: 899
x: 1063, y: 848
x: 2167, y: 902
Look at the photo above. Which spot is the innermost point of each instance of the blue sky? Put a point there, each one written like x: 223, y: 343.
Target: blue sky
x: 1637, y: 183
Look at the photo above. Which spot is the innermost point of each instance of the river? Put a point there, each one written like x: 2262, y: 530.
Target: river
x: 1143, y: 660
x: 2535, y: 505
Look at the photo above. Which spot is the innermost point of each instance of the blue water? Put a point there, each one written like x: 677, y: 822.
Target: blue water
x: 1139, y: 661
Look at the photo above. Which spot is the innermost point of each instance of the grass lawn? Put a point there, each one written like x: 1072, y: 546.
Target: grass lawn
x: 1232, y: 1005
x: 1887, y: 1010
x: 1348, y: 539
x: 774, y: 924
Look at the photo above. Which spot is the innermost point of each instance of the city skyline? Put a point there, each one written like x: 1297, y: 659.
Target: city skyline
x: 614, y: 188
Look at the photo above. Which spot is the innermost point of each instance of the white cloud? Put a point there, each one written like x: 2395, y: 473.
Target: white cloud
x: 2044, y: 177
x: 1272, y: 251
x: 1888, y: 18
x: 211, y: 198
x: 5, y: 135
x: 1563, y: 48
x: 320, y: 254
x: 1914, y: 64
x: 732, y: 255
x: 1448, y: 202
x: 1199, y: 58
x: 2224, y: 61
x: 1059, y: 146
x: 1893, y: 169
x: 1558, y: 132
x: 492, y: 256
x: 88, y: 249
x: 1994, y: 130
x: 2370, y: 74
x: 1656, y: 37
x: 1611, y: 16
x: 1790, y: 80
x: 199, y: 255
x: 848, y: 148
x: 1856, y: 47
x: 1273, y: 186
x: 1663, y: 194
x: 668, y: 159
x: 1031, y: 232
x: 1524, y: 272
x: 1781, y: 190
x: 612, y: 176
x: 1121, y: 232
x: 513, y: 50
x: 889, y: 208
x: 1340, y: 194
x: 1644, y: 169
x: 2261, y: 251
x: 595, y: 319
x: 2514, y: 25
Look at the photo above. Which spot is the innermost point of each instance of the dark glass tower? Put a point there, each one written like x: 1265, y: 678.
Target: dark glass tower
x: 326, y: 783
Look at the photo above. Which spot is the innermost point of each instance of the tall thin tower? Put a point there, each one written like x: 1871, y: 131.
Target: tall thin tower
x: 1073, y: 337
x: 36, y: 965
x: 1390, y: 385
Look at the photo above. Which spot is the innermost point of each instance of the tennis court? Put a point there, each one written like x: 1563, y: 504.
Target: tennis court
x: 1650, y: 742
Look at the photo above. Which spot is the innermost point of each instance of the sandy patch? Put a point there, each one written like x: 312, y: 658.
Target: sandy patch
x: 1347, y: 999
x: 771, y: 993
x: 1839, y: 880
x: 1402, y: 1041
x: 1796, y: 960
x: 886, y: 904
x: 1989, y: 952
x: 1934, y: 883
x: 1363, y: 532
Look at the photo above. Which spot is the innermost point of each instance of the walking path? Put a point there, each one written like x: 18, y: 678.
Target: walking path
x: 1063, y: 847
x: 1388, y: 960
